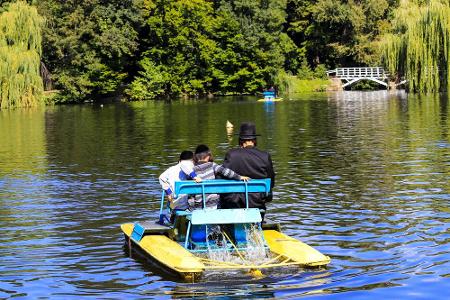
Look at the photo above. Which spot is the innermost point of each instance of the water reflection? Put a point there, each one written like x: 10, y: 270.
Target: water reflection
x: 363, y: 177
x: 22, y: 138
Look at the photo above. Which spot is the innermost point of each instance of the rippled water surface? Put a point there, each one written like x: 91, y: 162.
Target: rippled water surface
x: 362, y: 177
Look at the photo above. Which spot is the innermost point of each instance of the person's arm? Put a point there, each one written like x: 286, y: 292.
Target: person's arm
x: 187, y: 168
x: 165, y: 183
x: 228, y: 173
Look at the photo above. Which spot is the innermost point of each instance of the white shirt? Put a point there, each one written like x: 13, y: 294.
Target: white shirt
x: 180, y: 171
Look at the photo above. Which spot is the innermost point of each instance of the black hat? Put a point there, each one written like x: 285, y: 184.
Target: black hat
x: 185, y: 155
x: 247, y: 131
x: 201, y: 149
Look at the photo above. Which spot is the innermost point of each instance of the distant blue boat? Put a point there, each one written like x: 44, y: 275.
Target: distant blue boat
x: 270, y: 96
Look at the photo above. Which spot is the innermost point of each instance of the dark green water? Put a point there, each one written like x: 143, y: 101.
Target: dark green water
x: 362, y: 177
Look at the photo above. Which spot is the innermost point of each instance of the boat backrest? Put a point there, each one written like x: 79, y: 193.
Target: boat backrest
x: 269, y: 94
x: 222, y: 186
x: 217, y: 186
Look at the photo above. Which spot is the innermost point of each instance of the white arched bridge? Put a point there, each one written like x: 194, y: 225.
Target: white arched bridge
x: 352, y: 75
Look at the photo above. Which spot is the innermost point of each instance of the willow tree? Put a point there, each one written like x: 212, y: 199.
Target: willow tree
x: 418, y: 46
x: 20, y: 50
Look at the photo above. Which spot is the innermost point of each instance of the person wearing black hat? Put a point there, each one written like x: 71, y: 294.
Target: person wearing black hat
x: 249, y: 161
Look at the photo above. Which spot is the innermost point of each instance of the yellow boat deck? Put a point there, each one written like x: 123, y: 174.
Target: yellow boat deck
x: 270, y: 100
x: 287, y: 251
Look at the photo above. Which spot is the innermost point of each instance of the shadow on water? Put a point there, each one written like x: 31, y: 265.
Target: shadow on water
x: 361, y: 176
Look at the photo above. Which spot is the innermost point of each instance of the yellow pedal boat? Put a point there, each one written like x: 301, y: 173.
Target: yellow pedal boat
x: 183, y: 246
x: 270, y: 100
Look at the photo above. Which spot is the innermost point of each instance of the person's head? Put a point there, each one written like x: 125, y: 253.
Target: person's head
x: 247, y: 135
x: 186, y: 155
x: 247, y: 143
x: 202, y: 154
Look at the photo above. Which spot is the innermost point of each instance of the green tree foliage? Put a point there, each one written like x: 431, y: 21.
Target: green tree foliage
x: 419, y: 45
x: 20, y: 50
x: 4, y: 4
x: 178, y: 59
x: 198, y: 47
x: 252, y: 45
x: 153, y: 81
x: 90, y: 46
x: 164, y: 48
x: 339, y: 33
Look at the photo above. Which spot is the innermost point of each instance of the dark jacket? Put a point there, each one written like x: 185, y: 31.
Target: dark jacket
x: 255, y: 164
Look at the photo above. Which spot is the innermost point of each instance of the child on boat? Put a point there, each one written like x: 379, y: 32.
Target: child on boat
x: 184, y: 170
x: 205, y: 168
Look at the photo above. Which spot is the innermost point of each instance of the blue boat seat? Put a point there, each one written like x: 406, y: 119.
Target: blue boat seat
x: 240, y: 235
x: 198, y: 234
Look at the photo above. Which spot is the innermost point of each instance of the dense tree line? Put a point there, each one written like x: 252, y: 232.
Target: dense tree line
x: 148, y: 49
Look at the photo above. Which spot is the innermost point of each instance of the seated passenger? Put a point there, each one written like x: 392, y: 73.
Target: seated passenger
x: 184, y: 170
x: 270, y: 94
x: 249, y: 160
x: 206, y: 169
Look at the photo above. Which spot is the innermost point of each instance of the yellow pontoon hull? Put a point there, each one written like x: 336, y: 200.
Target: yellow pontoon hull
x: 270, y: 100
x: 167, y: 252
x: 294, y: 250
x: 175, y: 257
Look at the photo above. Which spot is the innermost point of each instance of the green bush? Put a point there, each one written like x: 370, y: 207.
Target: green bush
x: 320, y: 72
x: 151, y: 82
x: 305, y: 71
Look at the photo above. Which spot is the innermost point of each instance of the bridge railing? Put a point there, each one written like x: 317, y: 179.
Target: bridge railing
x: 365, y: 72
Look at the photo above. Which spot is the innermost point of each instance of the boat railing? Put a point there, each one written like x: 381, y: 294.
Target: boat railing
x: 269, y: 94
x: 219, y: 186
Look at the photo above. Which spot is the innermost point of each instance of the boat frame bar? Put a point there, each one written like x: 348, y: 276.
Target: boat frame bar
x: 217, y: 186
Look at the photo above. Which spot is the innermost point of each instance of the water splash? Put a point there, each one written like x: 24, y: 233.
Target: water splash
x: 217, y: 245
x: 256, y: 250
x: 221, y: 249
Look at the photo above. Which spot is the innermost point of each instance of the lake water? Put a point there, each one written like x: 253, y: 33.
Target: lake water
x: 364, y: 177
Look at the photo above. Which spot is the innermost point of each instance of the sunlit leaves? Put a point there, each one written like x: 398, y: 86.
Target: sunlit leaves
x: 20, y: 50
x: 418, y: 46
